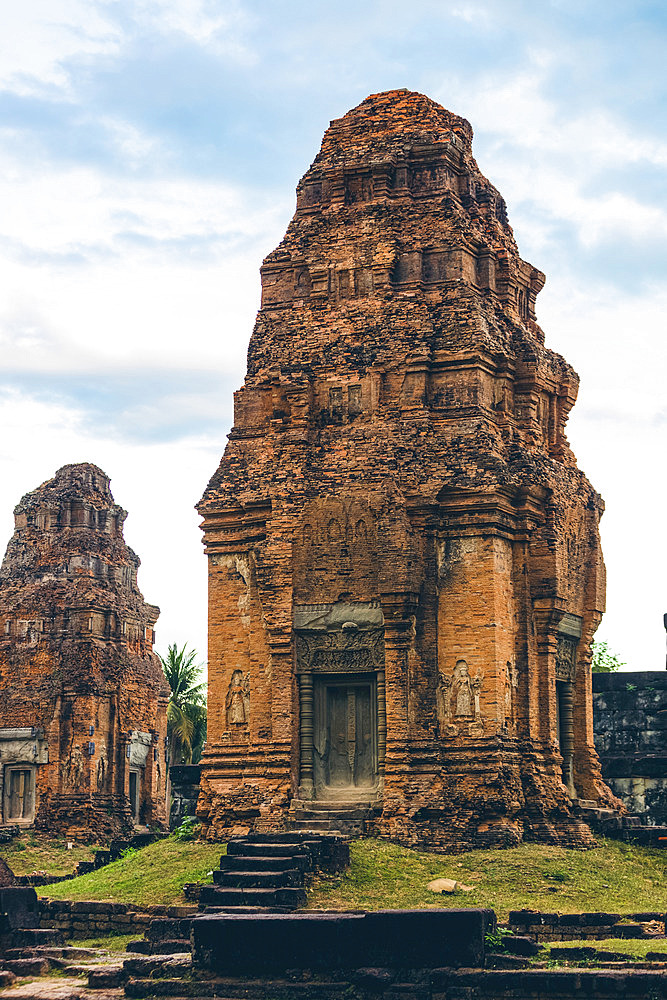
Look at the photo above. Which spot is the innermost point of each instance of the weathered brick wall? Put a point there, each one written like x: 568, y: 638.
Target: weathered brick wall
x: 82, y: 694
x: 184, y: 782
x: 547, y: 927
x: 630, y: 716
x: 399, y: 450
x: 88, y: 919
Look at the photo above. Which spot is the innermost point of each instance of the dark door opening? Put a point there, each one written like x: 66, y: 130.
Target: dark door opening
x: 135, y: 785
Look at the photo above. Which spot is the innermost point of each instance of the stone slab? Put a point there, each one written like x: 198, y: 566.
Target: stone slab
x: 231, y: 944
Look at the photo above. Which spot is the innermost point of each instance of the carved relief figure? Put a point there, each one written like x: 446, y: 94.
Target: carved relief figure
x: 443, y: 703
x: 101, y: 770
x: 237, y: 702
x: 462, y: 689
x: 71, y: 769
x: 511, y: 682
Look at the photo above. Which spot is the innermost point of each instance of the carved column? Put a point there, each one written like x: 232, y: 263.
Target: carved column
x: 566, y: 709
x: 399, y: 619
x: 382, y: 724
x: 306, y: 787
x: 566, y: 664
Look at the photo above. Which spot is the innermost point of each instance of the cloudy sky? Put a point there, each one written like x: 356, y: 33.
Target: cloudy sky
x: 149, y: 155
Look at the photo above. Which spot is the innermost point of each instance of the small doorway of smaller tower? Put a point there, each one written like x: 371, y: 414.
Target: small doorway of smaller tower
x: 19, y: 797
x: 135, y: 790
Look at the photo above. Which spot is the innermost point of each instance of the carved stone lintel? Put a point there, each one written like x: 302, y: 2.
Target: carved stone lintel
x: 340, y: 651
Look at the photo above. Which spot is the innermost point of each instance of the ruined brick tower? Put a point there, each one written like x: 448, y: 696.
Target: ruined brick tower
x: 404, y: 562
x: 82, y: 695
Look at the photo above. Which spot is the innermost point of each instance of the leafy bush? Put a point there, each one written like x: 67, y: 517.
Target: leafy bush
x: 189, y: 829
x: 603, y: 661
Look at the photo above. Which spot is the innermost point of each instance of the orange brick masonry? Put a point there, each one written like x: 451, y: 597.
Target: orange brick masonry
x: 399, y: 456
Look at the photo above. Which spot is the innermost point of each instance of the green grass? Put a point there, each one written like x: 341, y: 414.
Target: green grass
x: 151, y: 876
x: 615, y: 877
x: 40, y: 852
x: 632, y: 947
x: 110, y: 942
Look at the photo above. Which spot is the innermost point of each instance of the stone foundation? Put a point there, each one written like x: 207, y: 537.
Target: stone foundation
x: 630, y: 718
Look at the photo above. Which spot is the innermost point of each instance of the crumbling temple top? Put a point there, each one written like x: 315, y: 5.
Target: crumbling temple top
x: 82, y: 694
x: 405, y: 569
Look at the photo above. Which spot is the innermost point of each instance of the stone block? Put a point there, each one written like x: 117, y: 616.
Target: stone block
x: 19, y: 906
x: 240, y: 944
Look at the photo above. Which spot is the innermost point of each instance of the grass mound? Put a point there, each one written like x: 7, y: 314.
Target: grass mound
x: 615, y: 877
x: 41, y: 852
x: 151, y: 876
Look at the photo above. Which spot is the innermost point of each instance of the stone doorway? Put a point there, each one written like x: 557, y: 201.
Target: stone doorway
x: 345, y: 760
x: 135, y: 793
x: 19, y: 804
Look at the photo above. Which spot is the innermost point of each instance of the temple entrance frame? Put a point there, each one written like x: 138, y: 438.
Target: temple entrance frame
x: 569, y: 634
x: 335, y: 651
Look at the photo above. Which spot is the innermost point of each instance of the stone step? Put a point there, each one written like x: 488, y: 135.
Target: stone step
x: 251, y: 849
x: 69, y: 952
x: 309, y: 825
x: 325, y: 805
x: 75, y: 969
x: 284, y: 836
x: 277, y: 863
x: 291, y: 897
x: 169, y: 929
x: 497, y: 960
x: 520, y: 944
x: 629, y: 930
x: 235, y: 989
x: 7, y: 978
x: 209, y: 910
x: 28, y: 966
x: 139, y: 947
x: 105, y: 979
x: 327, y: 811
x: 165, y: 966
x: 170, y: 947
x: 261, y: 880
x: 28, y: 937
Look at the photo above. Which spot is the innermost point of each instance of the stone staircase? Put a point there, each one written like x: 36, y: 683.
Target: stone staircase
x: 350, y: 819
x: 270, y: 870
x: 608, y: 823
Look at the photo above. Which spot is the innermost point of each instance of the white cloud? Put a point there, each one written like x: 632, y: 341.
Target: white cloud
x: 537, y: 151
x: 39, y: 37
x: 219, y: 25
x: 615, y: 343
x: 128, y: 271
x: 42, y: 39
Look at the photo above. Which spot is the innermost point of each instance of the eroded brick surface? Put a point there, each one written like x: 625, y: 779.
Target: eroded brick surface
x: 398, y: 504
x: 82, y: 694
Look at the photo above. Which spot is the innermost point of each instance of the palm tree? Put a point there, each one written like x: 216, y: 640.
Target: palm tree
x: 186, y: 711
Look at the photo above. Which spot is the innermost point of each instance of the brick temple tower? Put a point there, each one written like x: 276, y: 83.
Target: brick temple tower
x: 404, y: 562
x: 82, y: 695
